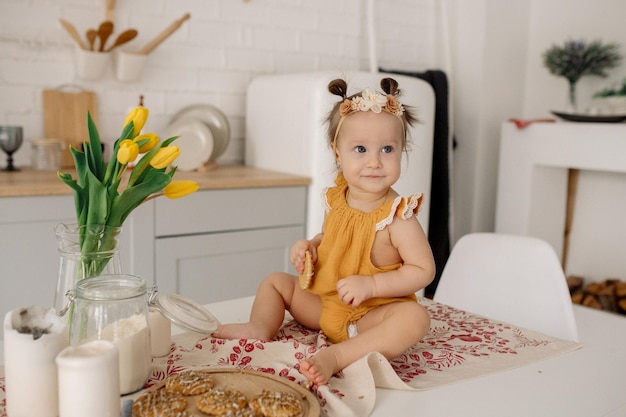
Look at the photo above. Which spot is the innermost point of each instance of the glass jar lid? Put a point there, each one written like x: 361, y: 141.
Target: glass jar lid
x: 115, y: 287
x: 184, y: 312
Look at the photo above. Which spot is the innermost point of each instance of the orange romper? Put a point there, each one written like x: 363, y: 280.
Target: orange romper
x: 345, y: 250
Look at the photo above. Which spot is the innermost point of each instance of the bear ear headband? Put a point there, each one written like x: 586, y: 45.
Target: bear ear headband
x: 369, y: 100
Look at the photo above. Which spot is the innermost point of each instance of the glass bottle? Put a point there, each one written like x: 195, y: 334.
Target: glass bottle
x: 84, y: 251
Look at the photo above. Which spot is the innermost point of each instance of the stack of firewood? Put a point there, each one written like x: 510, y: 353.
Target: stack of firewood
x: 609, y: 294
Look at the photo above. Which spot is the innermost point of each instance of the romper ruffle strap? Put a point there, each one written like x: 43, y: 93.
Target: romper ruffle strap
x: 331, y: 193
x: 403, y: 207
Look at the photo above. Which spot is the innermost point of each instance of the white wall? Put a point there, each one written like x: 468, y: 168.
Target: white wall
x: 498, y: 74
x: 496, y: 48
x: 489, y: 50
x: 210, y: 59
x: 597, y: 248
x: 554, y: 21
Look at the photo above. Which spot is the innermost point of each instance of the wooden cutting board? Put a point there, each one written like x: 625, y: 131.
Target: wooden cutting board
x: 65, y: 117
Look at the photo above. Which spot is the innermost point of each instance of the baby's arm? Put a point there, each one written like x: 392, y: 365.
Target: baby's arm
x: 297, y: 253
x: 416, y: 272
x: 418, y: 264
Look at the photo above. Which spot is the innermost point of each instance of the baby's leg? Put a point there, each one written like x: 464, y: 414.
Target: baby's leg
x: 389, y: 329
x: 276, y: 293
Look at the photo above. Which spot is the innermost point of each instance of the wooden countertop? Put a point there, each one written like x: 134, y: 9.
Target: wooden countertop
x: 28, y: 182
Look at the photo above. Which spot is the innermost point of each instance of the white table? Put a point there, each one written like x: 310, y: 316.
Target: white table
x: 589, y: 382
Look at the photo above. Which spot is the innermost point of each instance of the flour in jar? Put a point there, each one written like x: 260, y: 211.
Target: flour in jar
x: 132, y: 337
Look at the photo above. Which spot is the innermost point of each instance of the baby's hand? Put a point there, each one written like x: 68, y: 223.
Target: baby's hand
x: 355, y: 289
x: 297, y: 255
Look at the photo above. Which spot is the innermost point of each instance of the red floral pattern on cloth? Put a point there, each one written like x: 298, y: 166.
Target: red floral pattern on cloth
x: 459, y: 346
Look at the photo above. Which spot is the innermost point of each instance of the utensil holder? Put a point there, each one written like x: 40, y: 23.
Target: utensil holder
x: 90, y: 65
x: 129, y: 65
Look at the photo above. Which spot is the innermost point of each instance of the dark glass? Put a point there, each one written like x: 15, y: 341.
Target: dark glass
x: 10, y: 141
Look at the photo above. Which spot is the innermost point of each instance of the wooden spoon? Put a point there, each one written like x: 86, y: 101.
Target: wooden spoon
x: 104, y: 31
x: 91, y: 34
x: 122, y: 38
x: 110, y: 9
x: 72, y: 32
x: 164, y: 35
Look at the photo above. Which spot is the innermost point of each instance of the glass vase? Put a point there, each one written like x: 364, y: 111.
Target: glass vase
x: 84, y: 252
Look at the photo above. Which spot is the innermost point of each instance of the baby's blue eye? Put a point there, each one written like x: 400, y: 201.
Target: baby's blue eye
x: 360, y: 149
x: 387, y: 149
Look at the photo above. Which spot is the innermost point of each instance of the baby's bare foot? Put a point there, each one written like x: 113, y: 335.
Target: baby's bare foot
x: 320, y: 368
x: 240, y: 331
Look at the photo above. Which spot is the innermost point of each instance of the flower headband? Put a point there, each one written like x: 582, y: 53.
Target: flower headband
x: 369, y: 100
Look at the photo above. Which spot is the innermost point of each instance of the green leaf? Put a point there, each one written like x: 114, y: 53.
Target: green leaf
x: 95, y: 153
x: 127, y: 132
x: 97, y: 208
x: 167, y: 142
x: 135, y: 195
x: 80, y: 197
x: 139, y: 171
x: 67, y: 178
x: 113, y: 165
x: 112, y: 193
x: 142, y: 165
x: 91, y: 163
x: 80, y: 163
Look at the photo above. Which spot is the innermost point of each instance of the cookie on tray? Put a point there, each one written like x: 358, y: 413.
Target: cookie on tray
x: 189, y: 382
x: 218, y: 402
x: 277, y: 404
x: 159, y: 403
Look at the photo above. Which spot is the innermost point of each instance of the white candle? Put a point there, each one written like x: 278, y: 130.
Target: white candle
x: 160, y: 333
x: 89, y: 381
x: 33, y: 337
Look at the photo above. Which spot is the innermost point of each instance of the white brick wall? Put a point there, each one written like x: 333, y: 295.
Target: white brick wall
x: 210, y: 59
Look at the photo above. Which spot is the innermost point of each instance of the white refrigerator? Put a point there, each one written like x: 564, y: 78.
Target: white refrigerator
x: 285, y: 131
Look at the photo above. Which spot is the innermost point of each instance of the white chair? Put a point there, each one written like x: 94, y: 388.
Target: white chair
x: 514, y: 279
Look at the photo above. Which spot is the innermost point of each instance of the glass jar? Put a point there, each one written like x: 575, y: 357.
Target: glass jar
x: 115, y: 308
x: 47, y: 154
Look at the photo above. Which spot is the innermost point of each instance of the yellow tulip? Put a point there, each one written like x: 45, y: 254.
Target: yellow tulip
x: 178, y: 189
x: 127, y: 151
x: 153, y: 139
x: 138, y: 116
x: 164, y: 157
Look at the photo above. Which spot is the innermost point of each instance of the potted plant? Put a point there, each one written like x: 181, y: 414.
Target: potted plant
x: 578, y: 58
x: 614, y: 97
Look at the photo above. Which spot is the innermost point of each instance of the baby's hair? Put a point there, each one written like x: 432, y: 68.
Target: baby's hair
x: 339, y: 87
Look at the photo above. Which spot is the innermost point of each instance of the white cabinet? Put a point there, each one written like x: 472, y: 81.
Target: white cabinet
x: 28, y: 250
x: 212, y: 245
x: 219, y: 244
x: 29, y: 258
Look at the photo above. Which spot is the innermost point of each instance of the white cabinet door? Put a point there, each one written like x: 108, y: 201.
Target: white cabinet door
x: 29, y: 256
x: 222, y: 266
x: 226, y: 210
